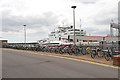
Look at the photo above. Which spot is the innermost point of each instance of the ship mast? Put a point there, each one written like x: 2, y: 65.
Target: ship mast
x: 80, y: 24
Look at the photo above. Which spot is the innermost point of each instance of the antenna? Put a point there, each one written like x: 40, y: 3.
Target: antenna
x: 63, y: 24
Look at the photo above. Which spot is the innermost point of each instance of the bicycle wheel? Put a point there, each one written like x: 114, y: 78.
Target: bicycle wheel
x: 61, y: 52
x: 107, y: 56
x: 93, y: 54
x: 76, y: 52
x: 83, y: 51
x: 100, y: 54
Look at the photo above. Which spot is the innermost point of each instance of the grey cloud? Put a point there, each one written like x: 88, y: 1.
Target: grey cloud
x: 14, y: 23
x: 10, y: 28
x: 88, y: 2
x: 105, y: 17
x: 95, y: 31
x: 41, y: 34
x: 37, y: 36
x: 103, y: 32
x: 104, y: 21
x: 85, y: 1
x: 90, y: 29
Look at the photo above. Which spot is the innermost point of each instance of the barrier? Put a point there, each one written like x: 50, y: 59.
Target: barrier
x: 116, y: 60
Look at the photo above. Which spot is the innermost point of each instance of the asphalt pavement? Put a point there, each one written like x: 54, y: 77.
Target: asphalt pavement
x: 26, y: 65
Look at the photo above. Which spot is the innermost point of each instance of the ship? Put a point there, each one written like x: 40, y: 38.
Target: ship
x: 64, y: 35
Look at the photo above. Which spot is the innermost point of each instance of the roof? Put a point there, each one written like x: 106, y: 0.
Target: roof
x: 3, y: 39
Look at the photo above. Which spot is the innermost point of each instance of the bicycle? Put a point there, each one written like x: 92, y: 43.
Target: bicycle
x: 95, y: 52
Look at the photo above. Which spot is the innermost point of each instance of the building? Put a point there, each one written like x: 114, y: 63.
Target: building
x: 3, y: 41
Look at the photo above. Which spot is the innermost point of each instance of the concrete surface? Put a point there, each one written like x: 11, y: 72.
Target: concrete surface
x: 24, y: 65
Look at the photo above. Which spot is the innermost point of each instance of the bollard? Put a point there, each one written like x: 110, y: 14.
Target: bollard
x: 116, y: 60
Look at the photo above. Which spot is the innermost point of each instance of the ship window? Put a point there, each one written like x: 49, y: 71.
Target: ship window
x: 71, y: 40
x: 77, y: 33
x: 52, y: 32
x: 71, y: 33
x: 84, y: 40
x: 70, y: 30
x: 77, y: 30
x: 94, y: 41
x: 90, y: 40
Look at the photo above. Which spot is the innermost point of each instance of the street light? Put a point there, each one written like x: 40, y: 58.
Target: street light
x: 119, y: 25
x: 74, y: 20
x: 24, y: 34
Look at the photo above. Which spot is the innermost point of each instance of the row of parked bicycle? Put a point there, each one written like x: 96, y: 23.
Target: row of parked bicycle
x: 70, y: 49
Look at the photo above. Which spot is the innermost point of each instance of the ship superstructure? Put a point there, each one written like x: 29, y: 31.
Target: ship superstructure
x: 62, y: 35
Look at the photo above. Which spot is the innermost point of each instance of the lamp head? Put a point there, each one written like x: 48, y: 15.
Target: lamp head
x: 73, y: 7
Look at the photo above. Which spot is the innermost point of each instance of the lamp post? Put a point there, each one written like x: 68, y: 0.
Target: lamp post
x: 24, y: 34
x: 119, y: 25
x: 74, y: 21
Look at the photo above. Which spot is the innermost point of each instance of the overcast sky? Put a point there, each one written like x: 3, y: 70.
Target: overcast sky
x: 43, y: 16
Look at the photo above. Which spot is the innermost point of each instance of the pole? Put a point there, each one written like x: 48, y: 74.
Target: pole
x: 25, y: 34
x: 119, y: 25
x: 119, y: 34
x: 80, y: 24
x: 74, y: 23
